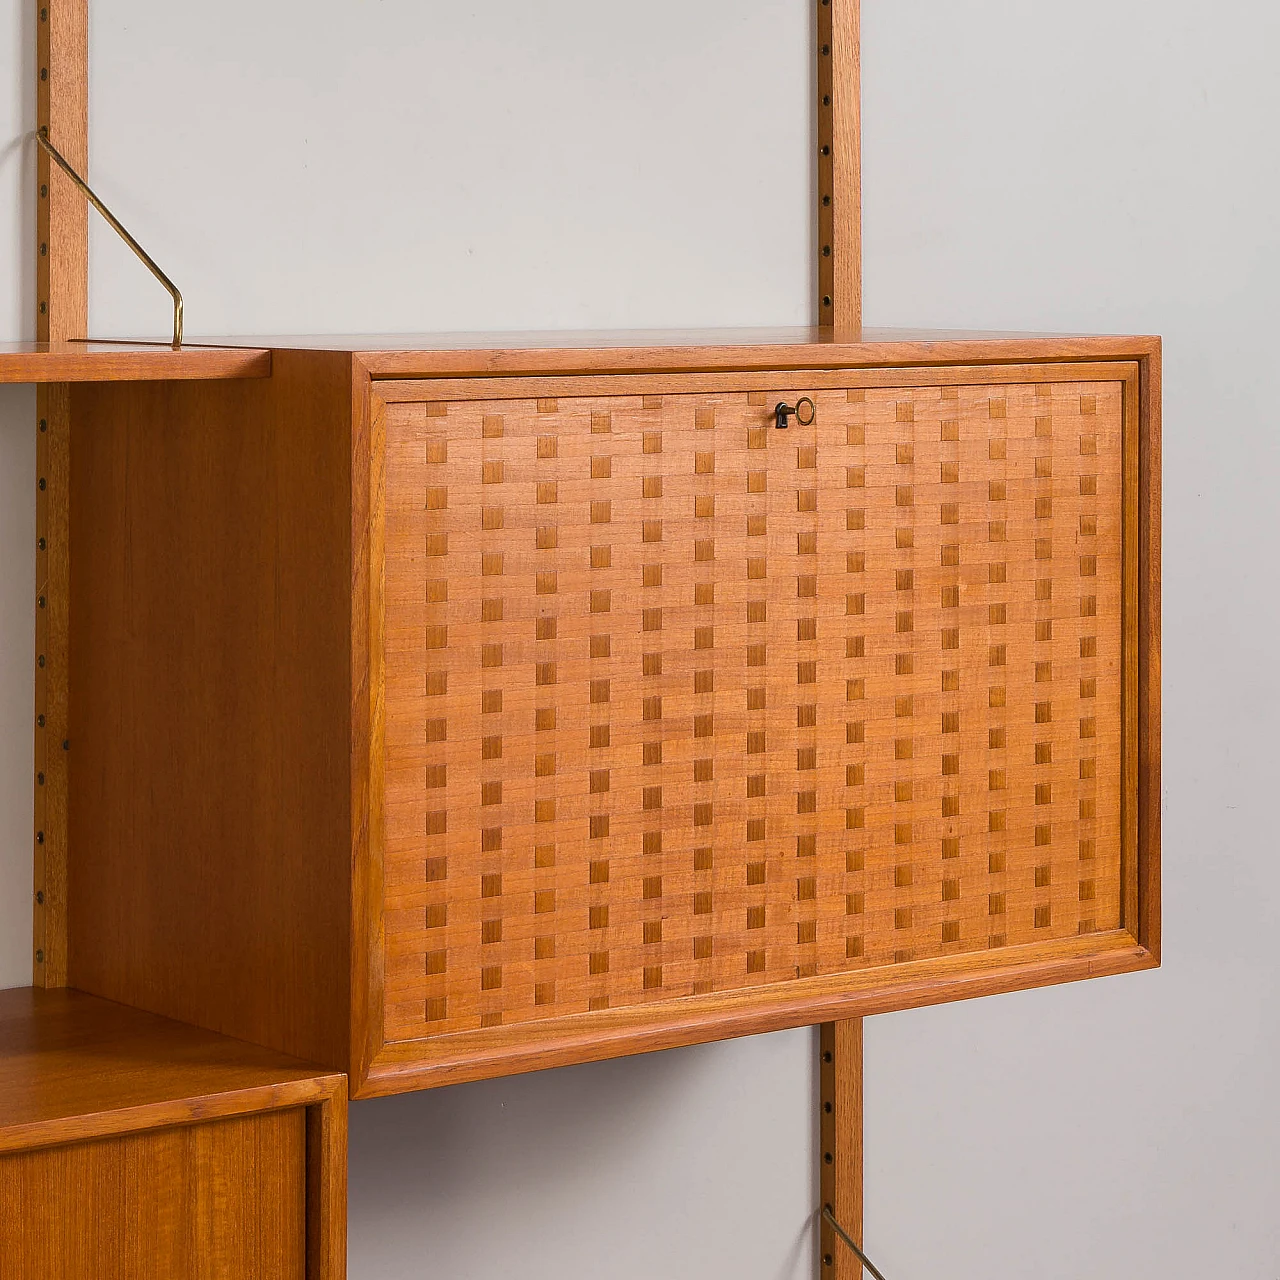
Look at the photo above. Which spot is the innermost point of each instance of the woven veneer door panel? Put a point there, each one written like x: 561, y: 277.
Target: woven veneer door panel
x: 678, y: 703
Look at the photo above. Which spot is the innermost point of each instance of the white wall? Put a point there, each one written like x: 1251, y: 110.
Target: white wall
x: 1110, y: 166
x: 399, y: 166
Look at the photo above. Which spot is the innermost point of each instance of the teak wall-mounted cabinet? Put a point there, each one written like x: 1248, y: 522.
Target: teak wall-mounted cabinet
x: 444, y: 713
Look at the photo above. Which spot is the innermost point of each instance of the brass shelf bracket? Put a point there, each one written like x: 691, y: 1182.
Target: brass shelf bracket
x: 830, y: 1219
x: 42, y: 137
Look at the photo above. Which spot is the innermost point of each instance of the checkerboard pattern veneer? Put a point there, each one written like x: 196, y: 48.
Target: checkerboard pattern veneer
x: 677, y: 703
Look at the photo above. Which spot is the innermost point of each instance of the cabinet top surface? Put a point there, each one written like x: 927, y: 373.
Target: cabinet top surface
x: 634, y: 351
x: 409, y: 355
x: 73, y: 1066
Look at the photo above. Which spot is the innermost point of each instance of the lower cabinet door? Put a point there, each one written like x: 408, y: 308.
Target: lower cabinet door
x: 199, y: 1202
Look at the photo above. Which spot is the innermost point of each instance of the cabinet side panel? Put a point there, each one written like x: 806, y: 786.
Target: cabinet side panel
x: 327, y: 1188
x: 210, y: 673
x: 1149, y: 517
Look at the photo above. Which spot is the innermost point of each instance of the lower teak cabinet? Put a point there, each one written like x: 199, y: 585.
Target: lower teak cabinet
x: 133, y: 1147
x: 471, y: 710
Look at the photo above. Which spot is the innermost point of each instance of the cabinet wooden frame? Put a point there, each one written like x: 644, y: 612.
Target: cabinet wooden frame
x: 393, y: 1066
x: 309, y: 882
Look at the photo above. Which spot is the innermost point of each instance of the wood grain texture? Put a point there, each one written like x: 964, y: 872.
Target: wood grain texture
x: 600, y: 1033
x: 839, y: 193
x: 368, y: 686
x: 592, y: 1037
x: 692, y: 350
x: 73, y: 1068
x: 217, y: 1201
x: 125, y: 362
x: 841, y: 1148
x: 210, y: 813
x: 678, y: 704
x: 62, y: 311
x: 778, y: 384
x: 62, y: 215
x: 439, y: 355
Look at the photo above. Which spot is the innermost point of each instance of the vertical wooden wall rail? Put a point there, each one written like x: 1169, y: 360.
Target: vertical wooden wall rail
x: 841, y: 1146
x: 62, y: 309
x: 839, y: 167
x: 839, y: 117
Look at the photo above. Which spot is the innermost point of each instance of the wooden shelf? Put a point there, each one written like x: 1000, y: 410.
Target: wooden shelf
x: 74, y: 1067
x: 126, y: 362
x: 383, y: 356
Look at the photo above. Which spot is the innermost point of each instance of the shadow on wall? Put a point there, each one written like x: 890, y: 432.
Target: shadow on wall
x: 694, y: 1134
